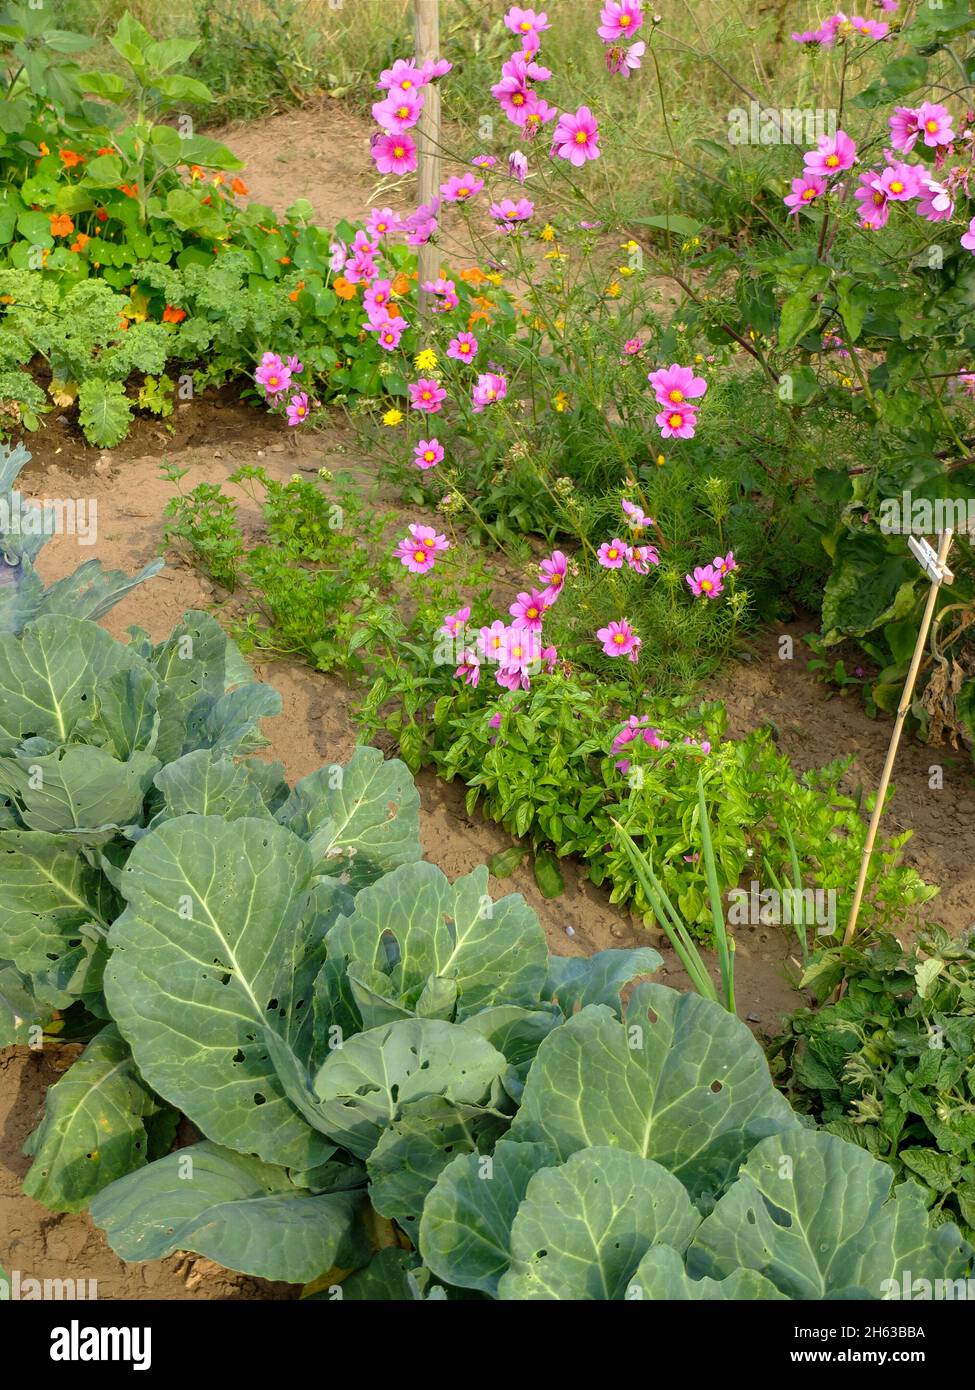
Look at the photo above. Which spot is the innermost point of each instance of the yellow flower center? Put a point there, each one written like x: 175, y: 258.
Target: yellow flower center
x: 619, y: 638
x: 399, y: 151
x: 532, y: 612
x: 625, y: 21
x: 406, y: 84
x: 706, y: 585
x: 581, y: 137
x: 465, y: 347
x: 808, y: 195
x: 676, y: 395
x: 675, y: 421
x: 832, y: 160
x: 518, y: 99
x: 897, y: 186
x: 419, y: 556
x: 402, y: 112
x: 525, y: 26
x: 931, y: 126
x: 429, y: 455
x: 613, y: 554
x: 878, y: 199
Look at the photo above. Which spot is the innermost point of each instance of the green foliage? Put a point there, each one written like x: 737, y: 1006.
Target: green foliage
x: 891, y: 1064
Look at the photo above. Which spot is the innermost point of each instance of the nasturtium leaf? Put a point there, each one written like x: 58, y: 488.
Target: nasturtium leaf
x: 361, y: 820
x: 204, y: 783
x: 575, y: 981
x: 415, y: 926
x: 815, y: 1215
x: 211, y: 949
x: 365, y: 1084
x: 583, y: 1228
x: 465, y: 1230
x: 681, y: 1081
x: 662, y: 1277
x: 93, y: 1129
x: 234, y: 1209
x: 416, y: 1148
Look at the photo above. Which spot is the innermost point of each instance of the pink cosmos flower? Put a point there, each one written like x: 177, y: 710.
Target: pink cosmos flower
x: 620, y: 19
x: 675, y: 385
x: 632, y: 346
x: 446, y: 292
x: 394, y: 154
x: 553, y: 570
x: 273, y: 374
x: 540, y: 114
x: 521, y: 650
x: 968, y: 239
x: 297, y: 409
x: 612, y: 554
x: 460, y: 188
x: 484, y: 161
x: 518, y: 166
x: 901, y: 182
x: 870, y: 28
x: 294, y: 366
x: 619, y: 639
x: 399, y: 111
x: 874, y: 203
x: 678, y: 421
x: 508, y: 213
x: 934, y: 123
x: 525, y: 23
x: 388, y: 331
x: 434, y: 68
x: 469, y: 670
x: 515, y: 98
x: 421, y: 225
x: 377, y: 298
x: 904, y: 129
x: 426, y: 395
x: 805, y: 190
x: 639, y: 727
x: 705, y: 582
x: 463, y: 348
x: 454, y: 623
x: 622, y: 61
x: 635, y: 514
x: 528, y: 610
x: 489, y: 388
x: 383, y: 222
x: 418, y: 551
x: 404, y: 74
x: 337, y: 255
x: 492, y: 641
x: 832, y: 155
x: 523, y: 66
x: 724, y: 564
x: 641, y: 557
x: 936, y: 203
x: 428, y: 453
x: 576, y: 137
x: 361, y: 267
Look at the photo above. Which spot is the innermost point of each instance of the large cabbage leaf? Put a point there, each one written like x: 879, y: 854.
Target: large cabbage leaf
x: 681, y: 1081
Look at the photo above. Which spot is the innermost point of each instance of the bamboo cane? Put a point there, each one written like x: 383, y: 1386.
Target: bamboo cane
x: 938, y: 577
x: 429, y: 142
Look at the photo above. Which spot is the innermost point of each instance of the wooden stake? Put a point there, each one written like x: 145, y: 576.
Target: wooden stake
x: 939, y: 574
x: 428, y: 133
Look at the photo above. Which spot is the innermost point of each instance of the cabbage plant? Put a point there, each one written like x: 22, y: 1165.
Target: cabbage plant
x: 399, y: 1093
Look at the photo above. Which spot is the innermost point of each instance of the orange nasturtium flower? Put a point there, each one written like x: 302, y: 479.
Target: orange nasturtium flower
x: 343, y: 288
x: 70, y: 159
x: 473, y: 276
x: 296, y: 291
x: 43, y: 147
x: 219, y: 180
x: 131, y: 190
x: 61, y: 224
x: 106, y: 149
x: 173, y: 315
x: 401, y: 283
x: 284, y: 260
x: 239, y: 186
x: 80, y: 242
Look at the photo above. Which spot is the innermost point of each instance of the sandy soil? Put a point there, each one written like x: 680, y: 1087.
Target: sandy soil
x: 214, y: 436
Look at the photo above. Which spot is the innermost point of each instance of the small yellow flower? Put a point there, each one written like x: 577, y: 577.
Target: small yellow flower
x: 557, y: 255
x: 426, y: 360
x: 495, y: 278
x: 296, y: 477
x: 753, y: 335
x: 560, y: 324
x: 561, y: 401
x: 846, y: 381
x: 548, y: 232
x: 539, y: 324
x: 630, y: 245
x: 393, y: 417
x: 698, y: 358
x: 614, y: 290
x: 625, y: 270
x: 661, y: 460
